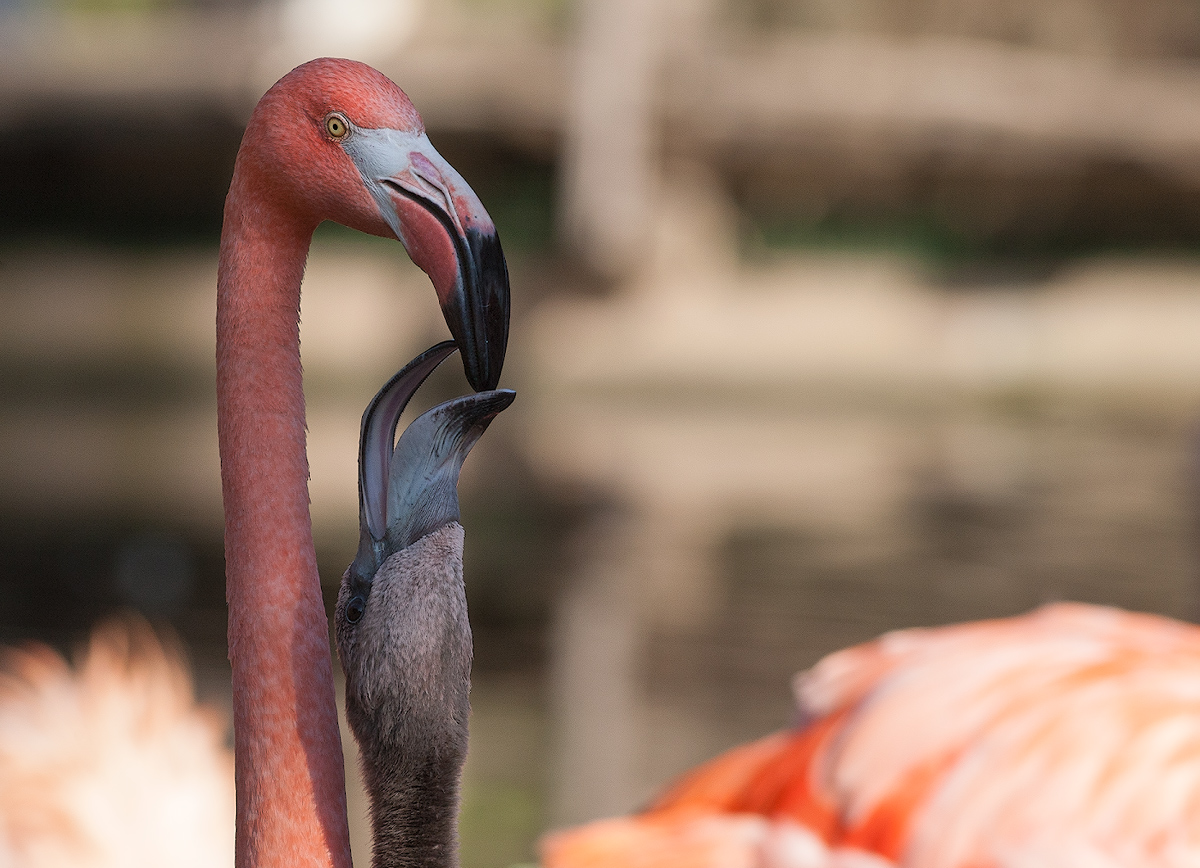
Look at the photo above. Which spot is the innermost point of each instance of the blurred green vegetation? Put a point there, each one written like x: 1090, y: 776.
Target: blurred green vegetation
x: 555, y: 14
x: 500, y: 822
x: 946, y: 249
x: 521, y: 201
x: 1154, y: 28
x: 110, y: 5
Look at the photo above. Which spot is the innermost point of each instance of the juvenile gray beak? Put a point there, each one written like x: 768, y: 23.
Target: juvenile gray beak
x: 423, y: 483
x: 412, y: 490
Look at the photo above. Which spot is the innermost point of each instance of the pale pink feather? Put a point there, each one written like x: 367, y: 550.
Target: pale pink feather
x: 111, y: 763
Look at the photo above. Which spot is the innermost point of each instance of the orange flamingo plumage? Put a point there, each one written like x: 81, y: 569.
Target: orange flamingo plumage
x: 1068, y: 737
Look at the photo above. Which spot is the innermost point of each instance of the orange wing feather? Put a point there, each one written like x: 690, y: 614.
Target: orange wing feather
x: 1066, y: 737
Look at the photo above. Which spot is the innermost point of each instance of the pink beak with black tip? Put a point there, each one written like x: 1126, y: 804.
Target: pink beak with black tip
x: 447, y: 232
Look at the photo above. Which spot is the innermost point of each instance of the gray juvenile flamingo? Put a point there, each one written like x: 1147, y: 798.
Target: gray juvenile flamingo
x: 401, y: 618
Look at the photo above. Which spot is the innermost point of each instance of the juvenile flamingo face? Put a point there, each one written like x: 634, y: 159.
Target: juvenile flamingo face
x: 338, y: 140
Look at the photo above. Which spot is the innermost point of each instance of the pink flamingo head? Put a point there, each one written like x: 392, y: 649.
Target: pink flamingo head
x: 337, y: 140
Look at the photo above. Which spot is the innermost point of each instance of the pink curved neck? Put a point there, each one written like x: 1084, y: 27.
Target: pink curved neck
x: 291, y: 801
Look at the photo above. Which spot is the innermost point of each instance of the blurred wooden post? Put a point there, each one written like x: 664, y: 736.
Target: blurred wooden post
x: 595, y: 641
x: 610, y: 154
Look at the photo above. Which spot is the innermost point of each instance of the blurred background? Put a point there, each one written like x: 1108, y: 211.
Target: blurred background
x: 830, y: 317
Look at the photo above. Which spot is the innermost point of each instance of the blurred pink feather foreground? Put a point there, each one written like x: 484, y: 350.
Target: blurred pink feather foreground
x: 1065, y: 738
x: 110, y: 764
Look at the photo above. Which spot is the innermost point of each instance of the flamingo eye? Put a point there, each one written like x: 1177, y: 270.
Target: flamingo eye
x: 337, y: 126
x: 355, y: 608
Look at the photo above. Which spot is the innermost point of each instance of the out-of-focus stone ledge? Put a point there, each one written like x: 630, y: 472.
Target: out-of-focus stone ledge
x: 170, y: 55
x: 229, y: 58
x: 1107, y: 334
x: 937, y: 94
x: 903, y: 97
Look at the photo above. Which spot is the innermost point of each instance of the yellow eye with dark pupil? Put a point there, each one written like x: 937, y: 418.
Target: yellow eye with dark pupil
x: 337, y: 126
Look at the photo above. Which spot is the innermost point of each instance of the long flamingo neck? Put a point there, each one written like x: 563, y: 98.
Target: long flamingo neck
x: 291, y: 802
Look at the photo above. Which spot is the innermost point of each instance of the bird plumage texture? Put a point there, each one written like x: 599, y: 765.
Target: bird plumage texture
x: 332, y: 140
x: 110, y: 763
x: 401, y: 625
x: 1065, y: 738
x: 408, y: 670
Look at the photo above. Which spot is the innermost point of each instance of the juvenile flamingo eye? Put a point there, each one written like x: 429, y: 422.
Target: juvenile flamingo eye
x: 337, y: 126
x: 355, y: 608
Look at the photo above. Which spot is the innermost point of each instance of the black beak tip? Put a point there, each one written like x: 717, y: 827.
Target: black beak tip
x: 487, y: 306
x: 483, y: 377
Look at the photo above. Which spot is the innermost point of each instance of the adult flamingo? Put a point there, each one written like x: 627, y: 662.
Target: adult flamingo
x: 1065, y: 738
x: 332, y: 140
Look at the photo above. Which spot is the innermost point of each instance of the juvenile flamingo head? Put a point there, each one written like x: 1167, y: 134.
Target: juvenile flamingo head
x: 401, y: 619
x: 337, y: 140
x: 409, y: 489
